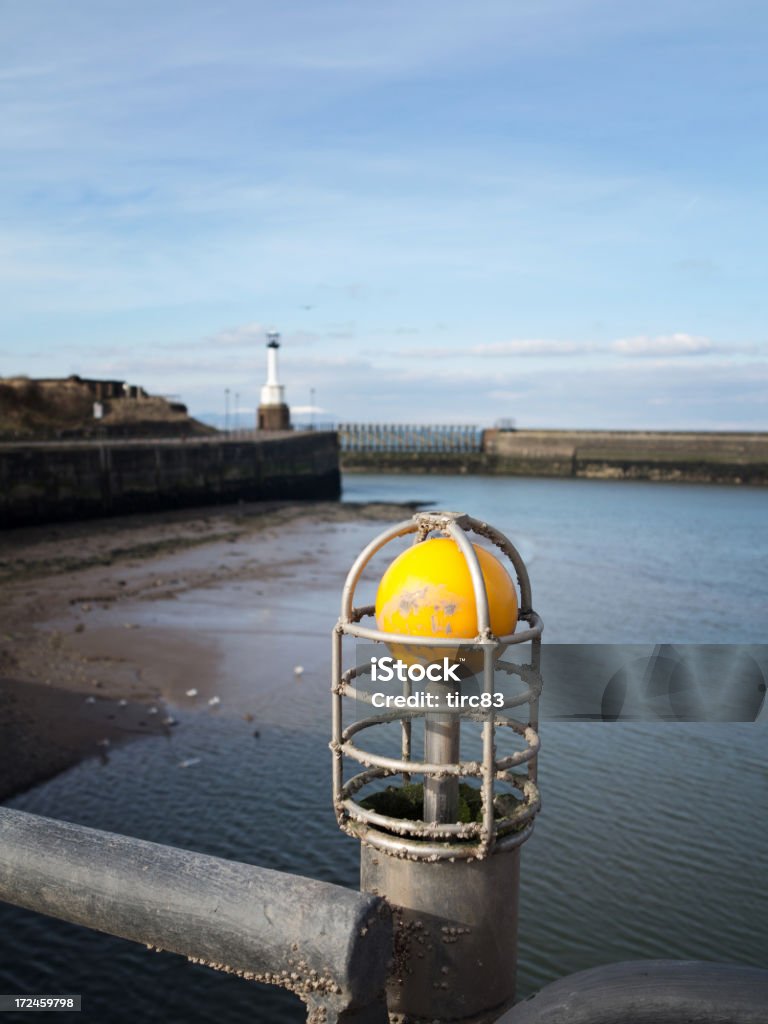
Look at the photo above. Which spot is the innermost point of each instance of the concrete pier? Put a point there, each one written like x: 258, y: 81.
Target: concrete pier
x: 48, y: 482
x: 695, y: 457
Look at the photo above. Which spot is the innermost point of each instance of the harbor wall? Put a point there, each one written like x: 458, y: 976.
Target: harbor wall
x: 736, y: 458
x: 47, y: 482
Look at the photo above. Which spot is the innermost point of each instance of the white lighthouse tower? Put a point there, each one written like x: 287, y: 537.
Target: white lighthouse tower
x: 273, y: 412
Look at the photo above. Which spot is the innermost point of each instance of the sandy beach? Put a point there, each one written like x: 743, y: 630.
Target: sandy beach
x: 79, y: 669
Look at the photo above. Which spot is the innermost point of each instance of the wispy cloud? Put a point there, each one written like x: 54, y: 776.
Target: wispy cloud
x: 533, y: 347
x: 435, y: 238
x: 678, y: 344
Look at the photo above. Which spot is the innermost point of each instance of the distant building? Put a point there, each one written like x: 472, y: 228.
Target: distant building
x: 273, y: 412
x: 102, y: 390
x: 82, y: 407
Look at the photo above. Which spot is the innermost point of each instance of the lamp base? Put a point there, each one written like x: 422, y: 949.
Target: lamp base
x: 455, y: 934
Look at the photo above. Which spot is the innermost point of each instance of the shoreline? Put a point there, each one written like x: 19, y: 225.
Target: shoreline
x: 77, y: 674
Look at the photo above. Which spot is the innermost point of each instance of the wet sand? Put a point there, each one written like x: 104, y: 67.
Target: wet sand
x: 79, y: 669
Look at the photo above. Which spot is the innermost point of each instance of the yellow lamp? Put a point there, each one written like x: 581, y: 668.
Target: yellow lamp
x: 427, y: 591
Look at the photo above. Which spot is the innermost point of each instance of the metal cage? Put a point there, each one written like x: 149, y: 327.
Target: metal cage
x: 440, y: 839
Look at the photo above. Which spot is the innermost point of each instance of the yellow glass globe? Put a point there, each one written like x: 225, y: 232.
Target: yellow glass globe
x: 427, y: 591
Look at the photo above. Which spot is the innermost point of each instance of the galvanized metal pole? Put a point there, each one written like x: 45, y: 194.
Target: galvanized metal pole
x: 441, y: 731
x: 441, y: 746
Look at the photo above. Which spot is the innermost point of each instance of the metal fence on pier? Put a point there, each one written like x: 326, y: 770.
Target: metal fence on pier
x: 404, y: 437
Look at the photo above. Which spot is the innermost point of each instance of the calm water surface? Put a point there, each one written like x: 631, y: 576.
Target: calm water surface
x: 653, y: 839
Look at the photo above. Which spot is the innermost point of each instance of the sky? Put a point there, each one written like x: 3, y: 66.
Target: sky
x: 546, y: 210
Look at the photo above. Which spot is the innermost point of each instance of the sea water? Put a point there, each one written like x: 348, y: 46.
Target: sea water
x: 653, y: 837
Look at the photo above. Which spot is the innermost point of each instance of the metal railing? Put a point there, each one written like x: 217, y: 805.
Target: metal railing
x: 329, y: 945
x: 403, y: 437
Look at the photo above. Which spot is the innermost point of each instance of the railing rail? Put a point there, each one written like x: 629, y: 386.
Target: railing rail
x: 329, y: 945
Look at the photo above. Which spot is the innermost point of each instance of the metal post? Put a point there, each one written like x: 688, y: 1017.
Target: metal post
x: 441, y: 746
x: 453, y: 886
x: 455, y: 933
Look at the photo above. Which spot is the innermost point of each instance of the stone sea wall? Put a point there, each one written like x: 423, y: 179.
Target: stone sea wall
x: 736, y: 458
x: 47, y: 482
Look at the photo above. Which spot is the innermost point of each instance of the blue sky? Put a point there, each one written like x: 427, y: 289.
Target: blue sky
x: 553, y: 210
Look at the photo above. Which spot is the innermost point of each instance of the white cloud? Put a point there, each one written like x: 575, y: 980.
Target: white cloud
x: 678, y: 344
x: 532, y: 347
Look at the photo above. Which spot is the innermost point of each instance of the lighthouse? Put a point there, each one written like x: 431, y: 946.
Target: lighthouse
x: 273, y: 412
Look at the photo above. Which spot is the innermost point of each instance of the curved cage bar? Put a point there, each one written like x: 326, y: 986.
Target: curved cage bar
x: 503, y: 818
x: 353, y: 628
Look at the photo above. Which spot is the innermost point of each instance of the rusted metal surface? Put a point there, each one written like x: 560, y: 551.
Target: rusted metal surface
x: 329, y: 945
